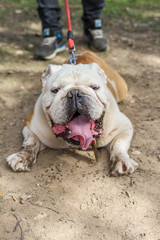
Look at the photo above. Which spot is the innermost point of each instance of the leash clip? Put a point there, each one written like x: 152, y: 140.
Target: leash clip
x: 73, y: 59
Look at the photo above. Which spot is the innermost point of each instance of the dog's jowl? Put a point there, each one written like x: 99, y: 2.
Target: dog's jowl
x: 78, y: 107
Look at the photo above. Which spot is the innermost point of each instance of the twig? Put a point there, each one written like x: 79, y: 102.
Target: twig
x: 54, y: 202
x: 150, y: 118
x: 18, y: 225
x: 44, y: 187
x: 45, y: 207
x: 70, y: 220
x: 58, y: 169
x: 131, y: 182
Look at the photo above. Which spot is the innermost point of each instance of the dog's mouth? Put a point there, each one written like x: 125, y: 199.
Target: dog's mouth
x: 80, y: 130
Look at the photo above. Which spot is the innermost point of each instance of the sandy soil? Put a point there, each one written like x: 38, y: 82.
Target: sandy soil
x: 66, y: 196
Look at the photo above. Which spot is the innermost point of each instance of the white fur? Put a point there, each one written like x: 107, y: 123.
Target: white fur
x: 117, y: 128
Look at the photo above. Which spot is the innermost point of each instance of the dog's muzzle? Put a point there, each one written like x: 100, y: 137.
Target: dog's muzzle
x: 78, y: 101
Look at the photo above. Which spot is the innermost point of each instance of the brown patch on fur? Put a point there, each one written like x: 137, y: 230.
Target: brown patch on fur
x: 88, y: 57
x: 28, y: 119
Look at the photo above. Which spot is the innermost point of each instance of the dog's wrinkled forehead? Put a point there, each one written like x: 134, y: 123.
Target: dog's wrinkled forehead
x: 81, y: 74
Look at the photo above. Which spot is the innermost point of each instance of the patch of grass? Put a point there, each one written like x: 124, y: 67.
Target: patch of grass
x: 21, y: 3
x: 141, y: 11
x: 116, y: 8
x: 130, y: 8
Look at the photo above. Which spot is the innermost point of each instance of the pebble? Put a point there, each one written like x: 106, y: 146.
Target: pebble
x: 136, y: 152
x: 30, y: 45
x: 19, y: 52
x: 10, y: 72
x: 39, y: 203
x: 24, y: 197
x: 13, y: 209
x: 128, y: 194
x: 18, y: 11
x: 93, y: 200
x: 83, y: 206
x: 132, y: 101
x: 52, y: 186
x: 40, y: 216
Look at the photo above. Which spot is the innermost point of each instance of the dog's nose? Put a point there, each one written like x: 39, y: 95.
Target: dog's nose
x: 70, y: 95
x: 76, y: 93
x: 79, y: 94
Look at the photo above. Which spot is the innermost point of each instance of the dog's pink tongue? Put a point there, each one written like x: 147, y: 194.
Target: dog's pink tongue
x: 81, y: 131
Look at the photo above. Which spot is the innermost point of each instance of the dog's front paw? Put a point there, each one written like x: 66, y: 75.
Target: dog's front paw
x: 19, y: 161
x: 121, y: 165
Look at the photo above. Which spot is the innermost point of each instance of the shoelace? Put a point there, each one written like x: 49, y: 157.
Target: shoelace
x: 48, y: 41
x: 96, y: 33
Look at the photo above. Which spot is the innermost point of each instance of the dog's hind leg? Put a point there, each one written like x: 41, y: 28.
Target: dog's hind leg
x: 21, y: 161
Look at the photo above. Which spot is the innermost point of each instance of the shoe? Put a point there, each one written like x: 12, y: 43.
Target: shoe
x: 94, y: 36
x: 49, y: 47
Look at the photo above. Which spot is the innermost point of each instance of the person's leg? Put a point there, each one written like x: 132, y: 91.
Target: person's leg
x: 92, y: 14
x: 50, y: 14
x: 92, y: 10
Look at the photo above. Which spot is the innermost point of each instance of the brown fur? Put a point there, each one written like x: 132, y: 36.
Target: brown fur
x: 88, y: 57
x: 28, y: 119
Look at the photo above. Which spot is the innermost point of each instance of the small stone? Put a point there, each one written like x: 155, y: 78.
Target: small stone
x: 19, y: 52
x: 93, y: 200
x: 48, y: 181
x: 24, y: 197
x: 128, y: 194
x: 136, y: 152
x: 30, y: 57
x: 30, y: 45
x: 40, y: 216
x: 39, y: 203
x: 52, y: 186
x: 132, y: 101
x: 10, y: 196
x: 12, y: 124
x: 31, y: 74
x: 13, y: 209
x: 83, y: 206
x: 10, y: 72
x: 18, y: 11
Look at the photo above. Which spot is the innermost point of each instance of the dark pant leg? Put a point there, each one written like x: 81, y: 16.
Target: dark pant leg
x: 50, y: 14
x: 92, y: 9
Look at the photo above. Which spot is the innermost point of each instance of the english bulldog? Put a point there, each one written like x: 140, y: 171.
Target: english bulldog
x: 78, y: 107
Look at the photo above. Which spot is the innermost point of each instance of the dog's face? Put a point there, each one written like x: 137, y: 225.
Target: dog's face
x: 74, y: 95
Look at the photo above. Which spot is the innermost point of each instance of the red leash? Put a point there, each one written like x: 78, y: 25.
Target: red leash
x: 70, y: 36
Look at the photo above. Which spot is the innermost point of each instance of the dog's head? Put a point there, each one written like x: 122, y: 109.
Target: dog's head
x: 74, y: 99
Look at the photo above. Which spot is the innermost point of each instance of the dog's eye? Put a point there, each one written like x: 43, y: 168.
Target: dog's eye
x: 55, y: 90
x: 94, y: 87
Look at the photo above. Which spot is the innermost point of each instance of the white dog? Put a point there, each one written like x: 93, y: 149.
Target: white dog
x: 78, y: 107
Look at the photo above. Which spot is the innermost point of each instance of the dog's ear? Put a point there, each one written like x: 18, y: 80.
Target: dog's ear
x: 50, y: 70
x: 99, y: 70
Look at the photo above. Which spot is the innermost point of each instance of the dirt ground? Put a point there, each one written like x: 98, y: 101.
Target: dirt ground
x: 66, y: 196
